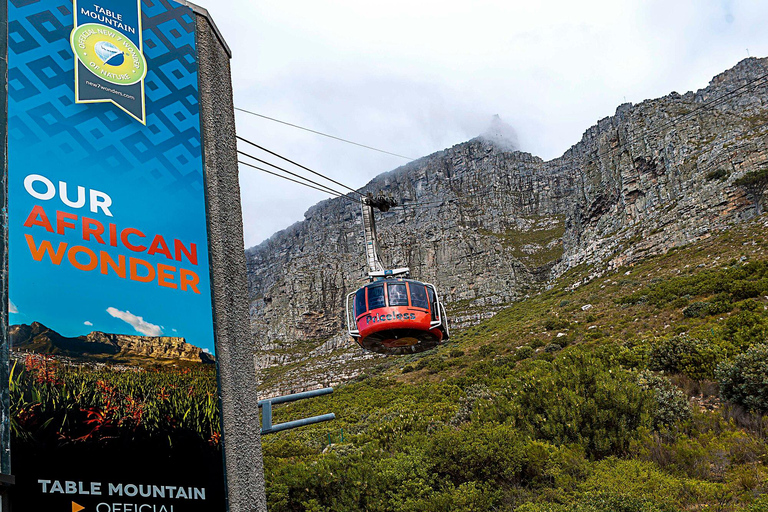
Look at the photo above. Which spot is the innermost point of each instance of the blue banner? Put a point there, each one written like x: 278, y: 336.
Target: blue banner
x: 114, y: 398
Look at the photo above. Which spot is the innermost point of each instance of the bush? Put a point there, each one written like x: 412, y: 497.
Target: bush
x: 716, y: 307
x: 553, y: 347
x: 744, y: 329
x: 486, y: 350
x: 671, y: 404
x: 523, y: 352
x: 734, y: 283
x: 499, y: 454
x: 690, y: 356
x: 745, y: 380
x: 456, y: 352
x: 576, y: 399
x: 436, y: 365
x: 553, y: 323
x: 719, y: 174
x: 472, y: 395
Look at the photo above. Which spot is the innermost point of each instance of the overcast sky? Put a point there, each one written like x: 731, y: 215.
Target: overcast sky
x: 417, y: 76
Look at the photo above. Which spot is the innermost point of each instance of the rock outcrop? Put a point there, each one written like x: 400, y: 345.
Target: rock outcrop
x: 104, y: 346
x: 488, y: 226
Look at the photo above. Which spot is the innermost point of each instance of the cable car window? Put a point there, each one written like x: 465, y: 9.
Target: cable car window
x: 376, y: 297
x: 398, y: 295
x: 360, y: 302
x: 419, y: 296
x: 431, y: 293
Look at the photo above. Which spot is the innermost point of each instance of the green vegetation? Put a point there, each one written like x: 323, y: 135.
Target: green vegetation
x: 718, y: 174
x: 55, y: 403
x: 756, y: 180
x: 649, y: 400
x: 744, y: 381
x: 534, y: 247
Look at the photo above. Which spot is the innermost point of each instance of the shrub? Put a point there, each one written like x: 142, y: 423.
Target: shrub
x: 536, y: 344
x: 456, y: 352
x: 498, y: 454
x: 553, y: 323
x: 472, y: 395
x: 577, y: 399
x: 408, y: 368
x: 733, y: 283
x: 436, y: 365
x: 719, y: 174
x: 486, y: 350
x: 671, y: 404
x: 702, y: 309
x: 523, y: 352
x: 682, y: 354
x: 553, y: 347
x: 744, y: 329
x: 745, y: 380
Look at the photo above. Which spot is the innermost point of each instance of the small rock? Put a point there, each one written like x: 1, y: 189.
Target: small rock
x: 561, y: 334
x: 586, y: 307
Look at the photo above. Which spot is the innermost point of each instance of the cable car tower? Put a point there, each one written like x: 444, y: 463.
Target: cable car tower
x: 392, y: 314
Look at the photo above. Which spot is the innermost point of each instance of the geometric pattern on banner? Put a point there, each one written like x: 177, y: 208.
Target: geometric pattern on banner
x: 102, y: 132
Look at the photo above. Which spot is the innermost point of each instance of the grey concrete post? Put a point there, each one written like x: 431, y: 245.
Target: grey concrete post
x: 234, y: 348
x: 5, y: 434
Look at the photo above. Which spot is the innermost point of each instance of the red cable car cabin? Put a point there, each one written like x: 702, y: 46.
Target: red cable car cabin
x: 397, y: 316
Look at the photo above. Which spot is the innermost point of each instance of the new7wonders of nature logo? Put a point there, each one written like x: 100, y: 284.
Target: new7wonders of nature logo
x: 110, y: 65
x: 109, y: 55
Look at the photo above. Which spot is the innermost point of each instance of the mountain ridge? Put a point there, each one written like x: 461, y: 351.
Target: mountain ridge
x: 499, y: 225
x: 98, y: 345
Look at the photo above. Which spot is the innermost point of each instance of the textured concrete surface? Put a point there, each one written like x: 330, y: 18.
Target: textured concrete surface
x: 234, y: 348
x: 5, y: 436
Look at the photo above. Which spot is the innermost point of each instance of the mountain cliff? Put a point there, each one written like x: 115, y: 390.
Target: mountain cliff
x: 489, y: 225
x: 103, y: 346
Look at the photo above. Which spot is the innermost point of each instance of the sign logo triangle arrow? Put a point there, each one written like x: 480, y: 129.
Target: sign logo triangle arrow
x: 76, y: 507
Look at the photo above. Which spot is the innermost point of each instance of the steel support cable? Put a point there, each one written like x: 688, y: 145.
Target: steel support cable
x: 323, y: 134
x: 299, y: 176
x: 334, y: 194
x: 299, y: 165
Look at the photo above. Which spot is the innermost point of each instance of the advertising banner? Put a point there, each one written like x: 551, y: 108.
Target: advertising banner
x: 114, y: 399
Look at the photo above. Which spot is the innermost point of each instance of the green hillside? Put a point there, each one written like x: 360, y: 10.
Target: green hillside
x: 643, y: 389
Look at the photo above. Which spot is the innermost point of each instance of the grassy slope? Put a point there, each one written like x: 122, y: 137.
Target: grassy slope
x: 464, y: 427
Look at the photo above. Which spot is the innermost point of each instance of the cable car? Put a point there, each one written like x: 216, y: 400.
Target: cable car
x: 393, y: 314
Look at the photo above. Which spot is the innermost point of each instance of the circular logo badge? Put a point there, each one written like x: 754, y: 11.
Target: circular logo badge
x: 108, y: 54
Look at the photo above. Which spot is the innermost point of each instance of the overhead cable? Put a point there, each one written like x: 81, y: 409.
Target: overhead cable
x: 299, y: 165
x: 334, y: 194
x: 323, y: 134
x: 295, y: 175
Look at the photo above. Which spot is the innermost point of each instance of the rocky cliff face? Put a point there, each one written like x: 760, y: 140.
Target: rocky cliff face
x: 492, y: 225
x: 162, y: 347
x: 40, y: 339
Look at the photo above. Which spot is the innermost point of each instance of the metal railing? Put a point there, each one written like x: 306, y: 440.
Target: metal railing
x: 266, y: 411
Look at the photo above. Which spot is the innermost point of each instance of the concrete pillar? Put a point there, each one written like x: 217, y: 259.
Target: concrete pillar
x: 234, y: 346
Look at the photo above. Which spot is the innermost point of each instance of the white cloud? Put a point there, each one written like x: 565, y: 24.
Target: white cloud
x: 89, y: 324
x: 550, y: 69
x: 12, y: 307
x: 136, y: 322
x: 207, y: 351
